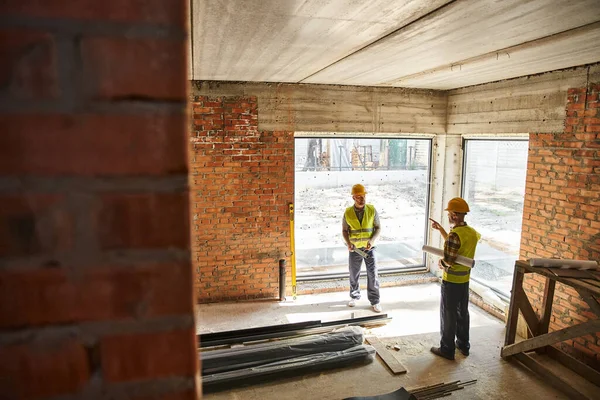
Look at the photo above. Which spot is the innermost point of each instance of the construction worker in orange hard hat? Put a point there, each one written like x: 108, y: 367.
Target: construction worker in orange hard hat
x: 454, y: 305
x: 360, y: 229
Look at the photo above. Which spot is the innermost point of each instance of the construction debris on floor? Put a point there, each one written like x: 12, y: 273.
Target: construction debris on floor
x: 286, y: 330
x: 308, y: 350
x: 424, y: 393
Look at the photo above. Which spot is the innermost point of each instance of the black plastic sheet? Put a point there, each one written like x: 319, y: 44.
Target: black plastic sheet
x: 290, y: 367
x: 248, y: 356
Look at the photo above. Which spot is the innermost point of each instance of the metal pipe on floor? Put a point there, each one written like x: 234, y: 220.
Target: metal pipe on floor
x: 286, y: 330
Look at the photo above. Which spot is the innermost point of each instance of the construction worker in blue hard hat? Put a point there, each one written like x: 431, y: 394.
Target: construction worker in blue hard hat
x: 454, y: 305
x: 360, y: 229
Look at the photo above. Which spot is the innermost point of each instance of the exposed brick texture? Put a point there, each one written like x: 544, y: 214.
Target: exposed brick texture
x: 561, y: 216
x: 34, y: 224
x: 149, y: 220
x: 241, y: 183
x: 135, y: 357
x: 35, y: 371
x: 92, y: 139
x: 158, y: 12
x: 124, y: 79
x: 43, y: 296
x: 96, y: 279
x: 28, y: 67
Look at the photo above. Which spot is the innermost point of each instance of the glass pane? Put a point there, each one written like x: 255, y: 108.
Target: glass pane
x: 395, y: 173
x: 494, y: 187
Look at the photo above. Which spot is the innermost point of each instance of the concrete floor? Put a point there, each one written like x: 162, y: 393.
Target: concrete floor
x: 415, y: 327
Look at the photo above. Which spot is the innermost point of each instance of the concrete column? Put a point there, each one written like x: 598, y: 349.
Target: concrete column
x: 446, y: 182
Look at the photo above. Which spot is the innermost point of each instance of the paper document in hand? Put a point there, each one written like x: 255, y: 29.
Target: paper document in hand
x: 467, y: 262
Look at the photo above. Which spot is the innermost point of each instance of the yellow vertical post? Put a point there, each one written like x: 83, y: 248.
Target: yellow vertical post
x: 293, y: 249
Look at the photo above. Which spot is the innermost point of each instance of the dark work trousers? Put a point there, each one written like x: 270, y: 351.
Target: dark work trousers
x: 355, y: 263
x: 454, y: 316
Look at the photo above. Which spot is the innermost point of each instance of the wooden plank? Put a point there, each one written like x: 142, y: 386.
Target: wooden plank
x: 574, y: 365
x: 570, y: 273
x: 547, y: 301
x: 581, y: 284
x: 513, y: 311
x: 528, y: 313
x: 591, y: 301
x: 594, y: 280
x: 551, y: 338
x: 550, y: 377
x: 547, y: 305
x: 388, y: 358
x: 575, y: 283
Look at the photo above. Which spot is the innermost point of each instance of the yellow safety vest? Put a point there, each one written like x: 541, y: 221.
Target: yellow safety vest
x: 468, y: 243
x: 360, y: 233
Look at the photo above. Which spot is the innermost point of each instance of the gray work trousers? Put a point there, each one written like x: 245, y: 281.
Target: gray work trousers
x: 355, y: 263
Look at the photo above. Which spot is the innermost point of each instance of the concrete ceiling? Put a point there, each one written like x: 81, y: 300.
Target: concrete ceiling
x: 433, y: 44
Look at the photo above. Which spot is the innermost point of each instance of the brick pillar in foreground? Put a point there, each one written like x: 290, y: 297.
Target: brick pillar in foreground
x: 95, y: 271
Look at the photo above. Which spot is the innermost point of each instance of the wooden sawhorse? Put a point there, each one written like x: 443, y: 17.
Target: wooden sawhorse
x: 541, y: 340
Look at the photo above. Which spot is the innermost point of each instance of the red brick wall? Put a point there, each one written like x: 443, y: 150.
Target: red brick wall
x: 95, y: 271
x: 241, y: 183
x: 561, y: 217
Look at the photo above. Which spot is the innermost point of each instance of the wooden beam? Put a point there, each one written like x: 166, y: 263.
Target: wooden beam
x: 580, y: 284
x: 388, y: 358
x: 546, y: 309
x: 549, y: 377
x: 575, y: 365
x: 591, y: 301
x: 547, y: 305
x: 551, y: 338
x: 528, y: 313
x: 513, y: 311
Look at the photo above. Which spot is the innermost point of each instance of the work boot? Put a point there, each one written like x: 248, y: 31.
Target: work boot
x: 438, y: 352
x: 351, y: 303
x: 463, y: 351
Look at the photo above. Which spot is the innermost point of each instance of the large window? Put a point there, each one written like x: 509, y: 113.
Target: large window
x: 494, y: 186
x: 395, y: 173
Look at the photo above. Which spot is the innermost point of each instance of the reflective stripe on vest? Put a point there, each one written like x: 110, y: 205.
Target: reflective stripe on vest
x: 468, y: 243
x: 360, y: 233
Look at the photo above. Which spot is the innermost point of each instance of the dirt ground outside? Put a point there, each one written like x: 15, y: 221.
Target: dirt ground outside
x: 401, y: 203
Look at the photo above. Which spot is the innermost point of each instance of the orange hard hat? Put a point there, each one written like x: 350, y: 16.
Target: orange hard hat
x: 358, y: 190
x: 458, y: 205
